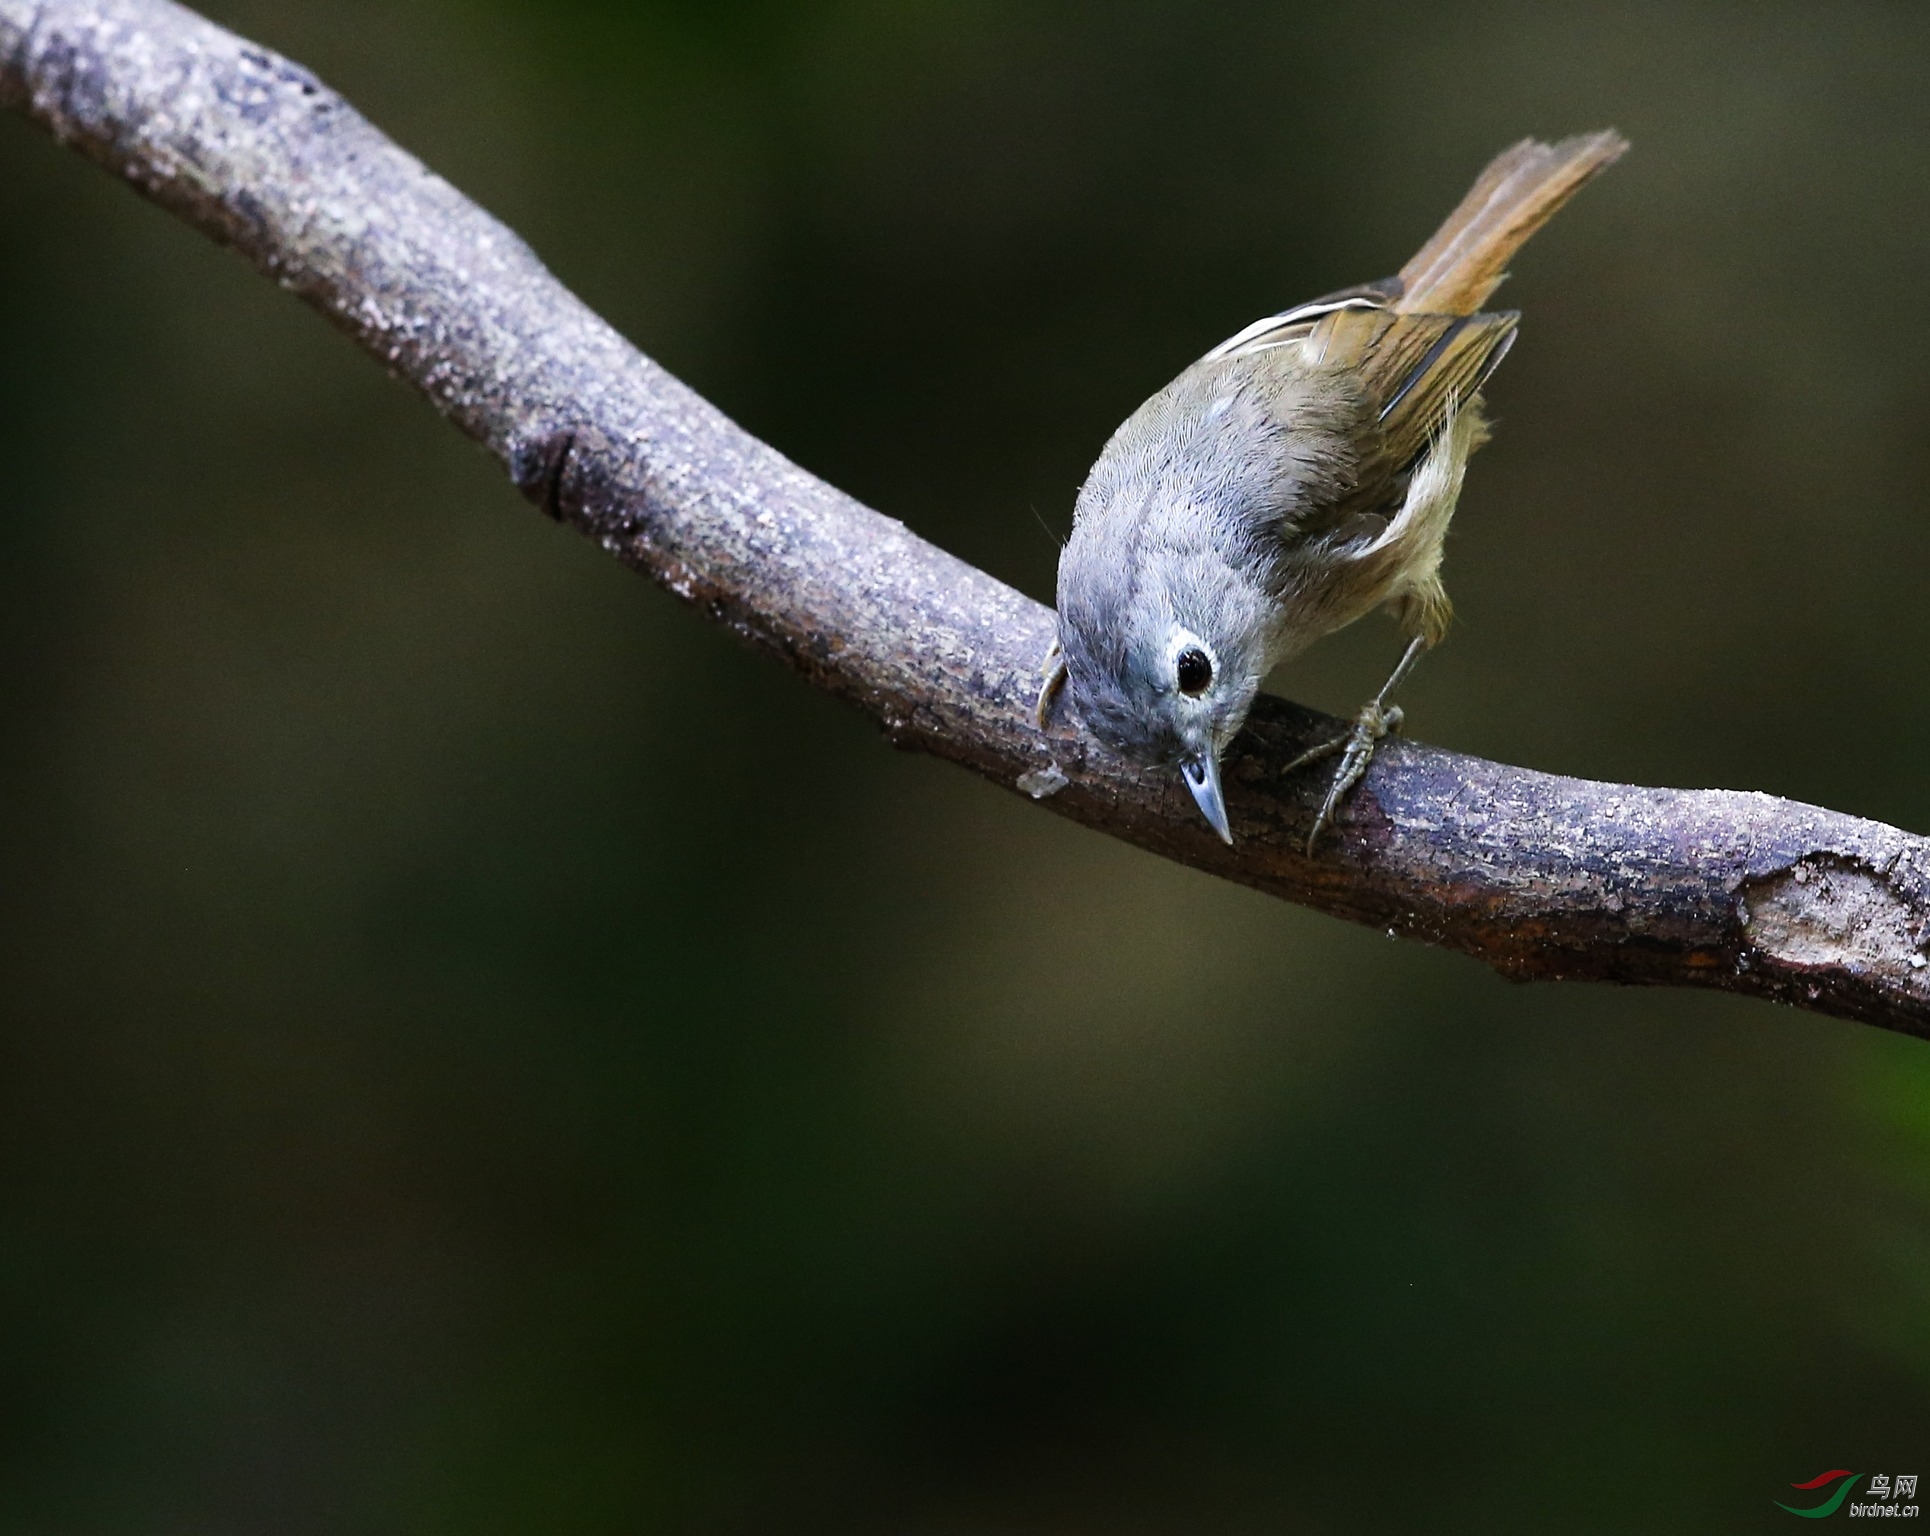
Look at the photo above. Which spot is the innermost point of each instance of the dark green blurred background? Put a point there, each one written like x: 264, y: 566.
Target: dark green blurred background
x: 486, y: 1053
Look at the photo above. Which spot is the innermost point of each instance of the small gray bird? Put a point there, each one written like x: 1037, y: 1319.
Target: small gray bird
x: 1298, y: 476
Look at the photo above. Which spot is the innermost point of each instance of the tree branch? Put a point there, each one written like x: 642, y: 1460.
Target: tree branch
x: 1541, y: 877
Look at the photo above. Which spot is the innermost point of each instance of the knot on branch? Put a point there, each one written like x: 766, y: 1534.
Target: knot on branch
x: 1828, y: 914
x: 542, y: 470
x: 578, y: 476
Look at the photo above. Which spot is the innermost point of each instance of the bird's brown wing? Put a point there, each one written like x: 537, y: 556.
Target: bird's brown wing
x: 1417, y: 337
x: 1414, y: 369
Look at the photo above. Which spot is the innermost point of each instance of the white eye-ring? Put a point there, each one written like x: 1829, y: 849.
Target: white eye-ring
x: 1194, y: 667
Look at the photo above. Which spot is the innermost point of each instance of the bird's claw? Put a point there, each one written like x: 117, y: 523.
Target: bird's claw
x: 1374, y: 722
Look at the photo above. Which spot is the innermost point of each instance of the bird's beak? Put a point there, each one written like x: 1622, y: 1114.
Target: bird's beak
x: 1202, y: 774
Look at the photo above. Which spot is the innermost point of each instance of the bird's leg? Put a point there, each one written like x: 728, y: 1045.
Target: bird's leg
x: 1052, y: 679
x: 1376, y: 719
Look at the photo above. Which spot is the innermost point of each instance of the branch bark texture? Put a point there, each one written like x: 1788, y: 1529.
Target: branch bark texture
x: 1539, y: 876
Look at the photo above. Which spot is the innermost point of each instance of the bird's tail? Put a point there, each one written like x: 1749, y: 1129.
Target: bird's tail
x: 1456, y: 271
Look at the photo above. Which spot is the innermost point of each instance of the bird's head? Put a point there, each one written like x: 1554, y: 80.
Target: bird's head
x: 1163, y: 657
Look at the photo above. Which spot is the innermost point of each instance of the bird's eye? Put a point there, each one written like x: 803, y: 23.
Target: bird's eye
x: 1195, y: 671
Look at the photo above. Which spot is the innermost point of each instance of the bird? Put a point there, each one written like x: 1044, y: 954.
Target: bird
x: 1297, y: 477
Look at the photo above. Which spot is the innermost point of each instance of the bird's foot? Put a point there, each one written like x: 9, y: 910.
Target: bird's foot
x: 1375, y: 721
